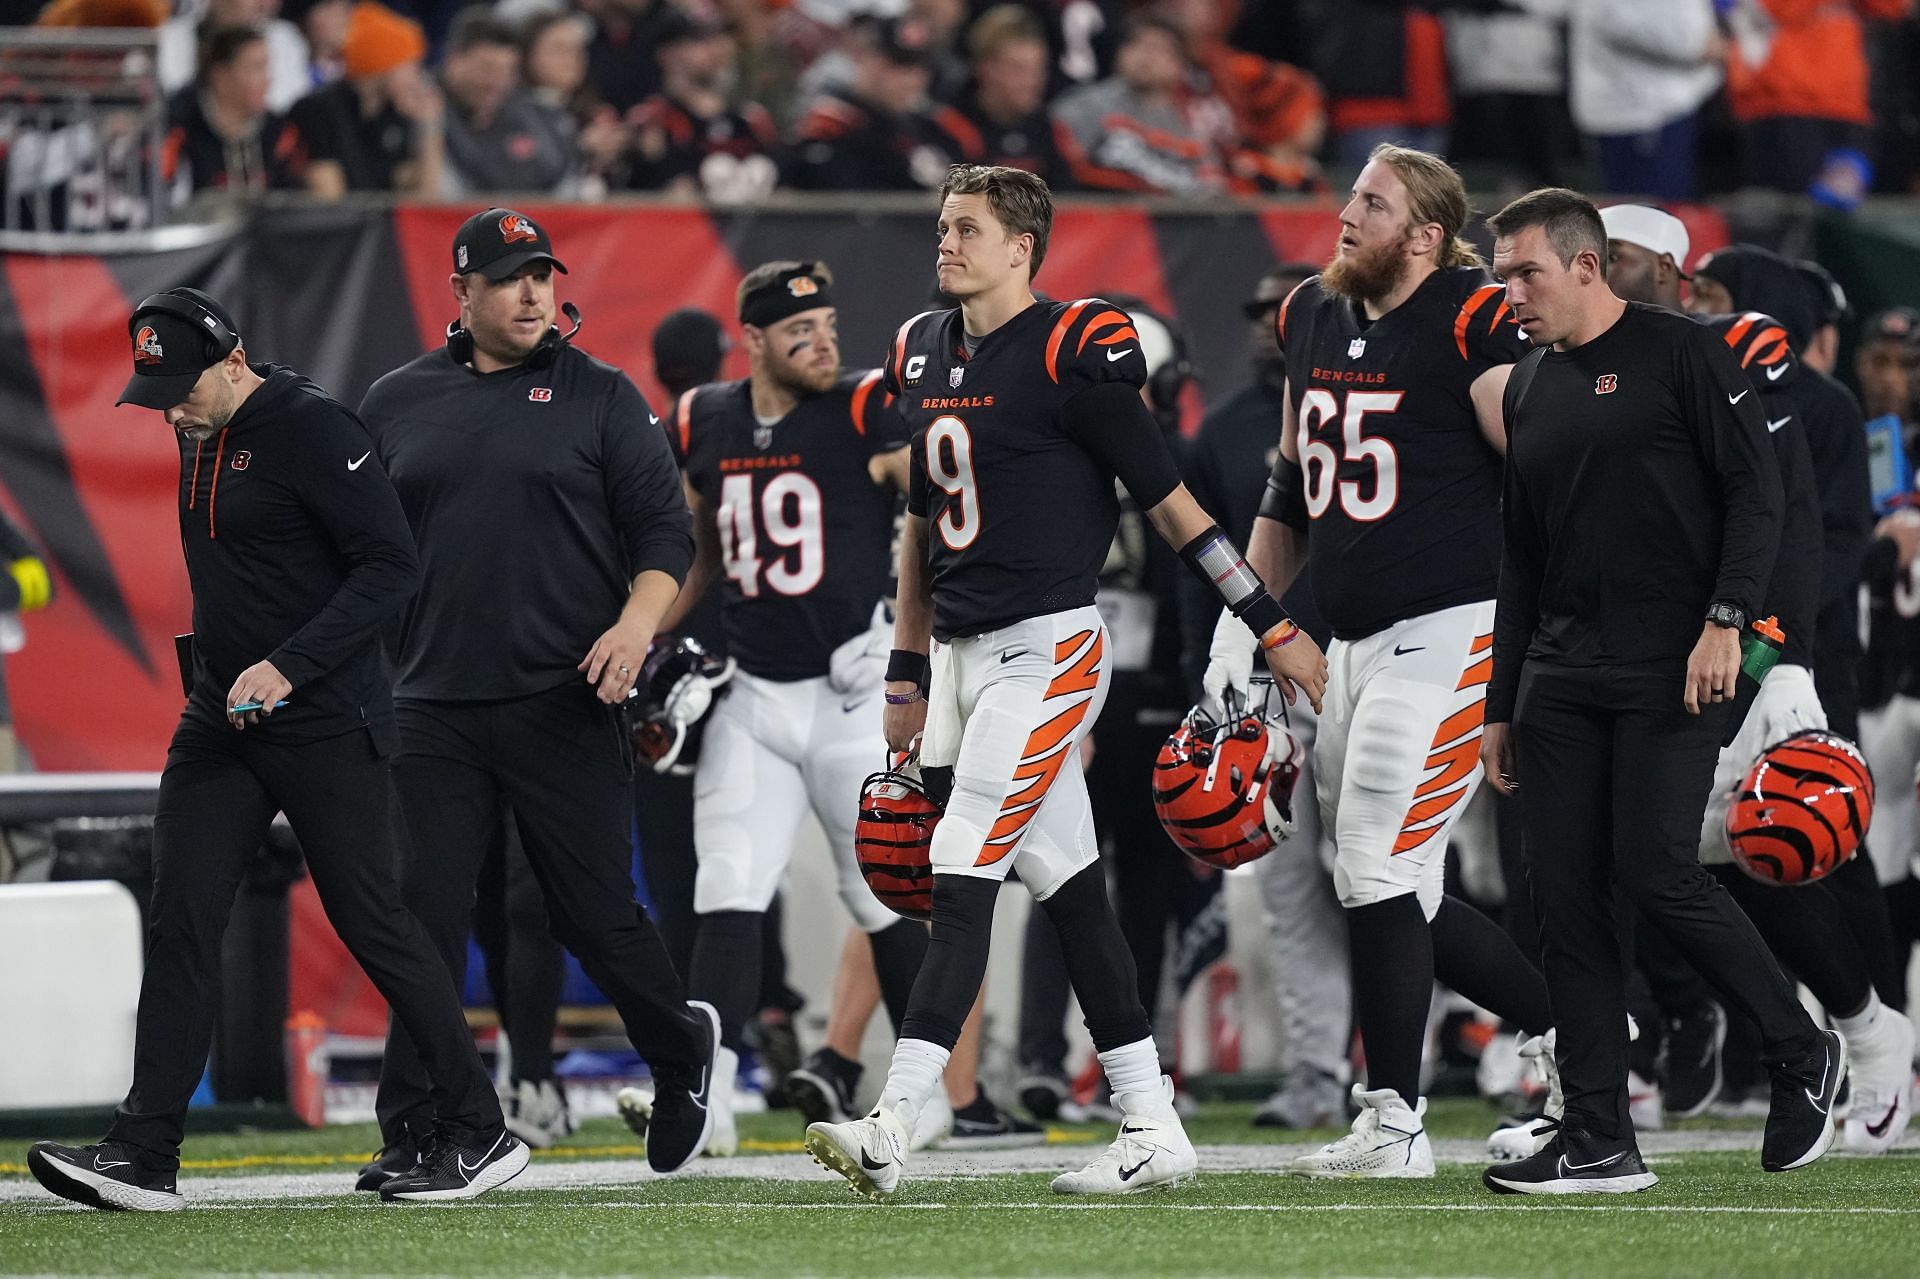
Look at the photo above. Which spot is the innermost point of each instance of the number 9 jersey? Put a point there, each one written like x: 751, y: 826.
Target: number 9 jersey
x: 1394, y: 478
x: 1020, y: 507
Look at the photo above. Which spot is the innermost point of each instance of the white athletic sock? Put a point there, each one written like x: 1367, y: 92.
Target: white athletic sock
x: 1862, y: 1022
x: 1133, y: 1069
x: 911, y: 1079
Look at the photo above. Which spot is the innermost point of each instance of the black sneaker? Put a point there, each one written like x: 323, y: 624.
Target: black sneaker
x: 1042, y: 1092
x: 682, y: 1121
x: 981, y: 1125
x: 457, y: 1166
x: 773, y: 1038
x: 403, y: 1156
x: 822, y: 1090
x: 1573, y: 1163
x: 1800, y: 1119
x: 1689, y: 1067
x: 110, y: 1174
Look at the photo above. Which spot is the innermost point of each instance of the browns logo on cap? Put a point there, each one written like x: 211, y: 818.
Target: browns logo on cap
x: 146, y: 346
x: 497, y: 242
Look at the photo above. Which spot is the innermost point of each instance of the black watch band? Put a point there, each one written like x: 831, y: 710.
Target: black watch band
x: 1728, y: 615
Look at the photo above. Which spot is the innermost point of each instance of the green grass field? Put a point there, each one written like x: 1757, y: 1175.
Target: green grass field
x: 277, y: 1203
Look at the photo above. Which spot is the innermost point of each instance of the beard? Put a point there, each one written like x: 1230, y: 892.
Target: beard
x: 805, y: 380
x: 1367, y: 274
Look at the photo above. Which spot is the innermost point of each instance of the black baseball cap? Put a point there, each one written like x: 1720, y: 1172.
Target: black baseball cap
x: 171, y: 350
x: 498, y: 242
x: 904, y: 40
x: 689, y: 346
x: 1896, y: 324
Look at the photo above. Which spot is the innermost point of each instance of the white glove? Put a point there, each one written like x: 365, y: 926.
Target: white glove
x: 1229, y: 666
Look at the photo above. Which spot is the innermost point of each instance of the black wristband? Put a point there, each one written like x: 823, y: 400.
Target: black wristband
x: 906, y: 666
x: 1262, y: 614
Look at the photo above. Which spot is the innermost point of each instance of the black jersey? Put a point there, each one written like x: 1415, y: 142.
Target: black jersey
x: 1793, y: 593
x: 1402, y: 491
x: 1020, y: 507
x: 806, y: 536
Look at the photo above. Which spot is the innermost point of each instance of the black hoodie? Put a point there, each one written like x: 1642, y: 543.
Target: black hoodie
x: 298, y: 552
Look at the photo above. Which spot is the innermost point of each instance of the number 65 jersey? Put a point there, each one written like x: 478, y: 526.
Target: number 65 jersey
x: 1396, y: 483
x: 1020, y: 512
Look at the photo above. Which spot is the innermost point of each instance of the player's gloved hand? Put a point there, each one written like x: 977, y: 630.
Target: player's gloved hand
x: 1229, y: 666
x: 29, y: 574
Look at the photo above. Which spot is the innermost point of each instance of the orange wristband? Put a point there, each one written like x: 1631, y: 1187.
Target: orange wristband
x: 1280, y: 635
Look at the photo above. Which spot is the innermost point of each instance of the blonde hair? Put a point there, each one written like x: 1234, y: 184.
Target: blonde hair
x: 1435, y: 194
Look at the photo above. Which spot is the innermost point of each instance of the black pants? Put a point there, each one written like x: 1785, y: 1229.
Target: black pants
x: 218, y: 794
x: 1614, y: 776
x: 665, y: 811
x: 561, y: 760
x: 525, y: 965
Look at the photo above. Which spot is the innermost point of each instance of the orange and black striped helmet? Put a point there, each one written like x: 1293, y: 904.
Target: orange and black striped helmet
x: 893, y: 840
x: 1802, y: 810
x: 1210, y: 786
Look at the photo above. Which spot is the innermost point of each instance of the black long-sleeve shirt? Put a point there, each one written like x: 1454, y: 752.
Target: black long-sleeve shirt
x: 297, y: 553
x: 1640, y: 488
x: 537, y: 495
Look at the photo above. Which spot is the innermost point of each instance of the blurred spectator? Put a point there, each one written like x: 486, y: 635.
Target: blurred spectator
x: 1383, y: 64
x: 1893, y: 67
x: 1887, y: 364
x: 1508, y: 72
x: 324, y: 25
x: 945, y: 20
x: 499, y: 137
x: 221, y: 135
x: 1000, y: 117
x: 771, y: 45
x: 1279, y: 119
x: 553, y: 63
x: 379, y: 129
x: 688, y: 348
x: 687, y: 139
x: 287, y: 59
x: 1830, y: 310
x: 1797, y: 83
x: 1136, y: 130
x: 1639, y: 72
x: 620, y: 61
x: 876, y: 134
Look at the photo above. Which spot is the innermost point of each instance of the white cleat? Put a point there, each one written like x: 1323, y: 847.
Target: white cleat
x: 1512, y: 1141
x: 537, y: 1113
x: 1151, y: 1152
x: 636, y: 1109
x: 1389, y: 1139
x: 1880, y: 1066
x: 870, y: 1153
x: 935, y: 1123
x: 725, y: 1141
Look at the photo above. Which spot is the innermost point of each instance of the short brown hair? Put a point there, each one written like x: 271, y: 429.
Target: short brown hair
x: 1570, y: 220
x: 769, y: 272
x: 1021, y: 201
x: 1435, y: 194
x: 1002, y: 25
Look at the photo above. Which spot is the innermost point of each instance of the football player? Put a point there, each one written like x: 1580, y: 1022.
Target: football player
x: 1023, y: 414
x: 1396, y: 358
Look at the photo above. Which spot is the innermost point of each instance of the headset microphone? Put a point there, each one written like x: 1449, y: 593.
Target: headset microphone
x: 573, y: 315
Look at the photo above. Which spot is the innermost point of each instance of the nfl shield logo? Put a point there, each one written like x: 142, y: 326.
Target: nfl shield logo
x: 955, y: 374
x: 1356, y: 348
x: 763, y: 437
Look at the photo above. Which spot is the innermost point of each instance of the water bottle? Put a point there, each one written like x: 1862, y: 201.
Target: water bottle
x: 1760, y: 648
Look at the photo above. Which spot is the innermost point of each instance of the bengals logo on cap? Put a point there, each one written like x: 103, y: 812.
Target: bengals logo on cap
x: 515, y: 229
x: 146, y: 346
x: 802, y: 286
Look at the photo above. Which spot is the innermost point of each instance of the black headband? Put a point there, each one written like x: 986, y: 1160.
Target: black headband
x: 796, y: 291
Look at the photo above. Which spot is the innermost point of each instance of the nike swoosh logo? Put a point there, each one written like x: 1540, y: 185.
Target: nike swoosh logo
x: 128, y: 1163
x: 848, y: 708
x: 1879, y: 1130
x: 1402, y: 652
x: 1735, y: 399
x: 1127, y: 1174
x: 465, y: 1171
x: 1114, y: 355
x: 653, y: 418
x: 1008, y: 657
x: 1125, y: 1131
x: 1773, y: 374
x: 1773, y: 426
x: 871, y: 1166
x: 1614, y: 1158
x: 354, y: 466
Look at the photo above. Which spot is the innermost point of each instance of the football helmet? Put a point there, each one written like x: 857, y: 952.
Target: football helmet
x: 1212, y: 781
x: 893, y: 839
x: 679, y: 683
x: 1802, y: 810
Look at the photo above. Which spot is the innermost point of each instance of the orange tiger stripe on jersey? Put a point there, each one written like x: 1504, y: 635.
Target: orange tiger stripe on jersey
x: 1048, y: 748
x: 1473, y: 303
x: 1739, y: 330
x: 1456, y: 749
x: 1059, y: 335
x: 684, y: 418
x: 1280, y: 316
x: 1104, y: 320
x: 1766, y: 350
x: 861, y: 391
x: 900, y: 348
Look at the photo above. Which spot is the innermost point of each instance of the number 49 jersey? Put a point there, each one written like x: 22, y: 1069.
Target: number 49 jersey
x: 1020, y: 512
x: 806, y: 536
x: 1401, y: 490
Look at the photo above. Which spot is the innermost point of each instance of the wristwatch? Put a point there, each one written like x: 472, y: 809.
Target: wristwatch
x: 1727, y: 615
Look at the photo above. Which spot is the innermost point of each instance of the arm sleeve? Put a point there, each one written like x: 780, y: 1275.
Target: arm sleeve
x: 1485, y: 333
x: 643, y: 487
x: 1517, y: 609
x: 1286, y: 496
x: 362, y: 516
x: 1731, y: 432
x: 1110, y: 422
x: 917, y: 477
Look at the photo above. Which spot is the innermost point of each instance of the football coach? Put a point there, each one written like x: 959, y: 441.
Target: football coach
x: 1642, y: 513
x: 297, y: 555
x: 553, y: 535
